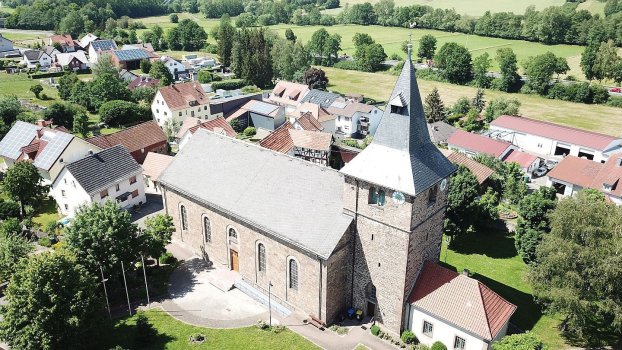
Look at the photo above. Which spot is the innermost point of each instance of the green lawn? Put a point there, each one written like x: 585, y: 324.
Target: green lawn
x: 491, y: 258
x: 19, y: 85
x: 173, y: 335
x: 46, y: 213
x: 597, y: 118
x: 594, y: 6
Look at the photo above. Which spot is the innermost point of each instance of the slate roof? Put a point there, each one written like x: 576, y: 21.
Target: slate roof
x: 461, y: 301
x: 555, y: 132
x: 178, y: 96
x: 284, y: 197
x: 65, y: 58
x: 103, y: 169
x: 323, y: 98
x: 478, y: 143
x: 440, y: 132
x: 481, y: 172
x: 103, y: 45
x: 33, y: 55
x: 134, y: 138
x: 155, y: 163
x: 401, y: 155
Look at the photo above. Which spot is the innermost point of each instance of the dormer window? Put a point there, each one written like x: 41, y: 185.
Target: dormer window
x: 376, y: 196
x: 396, y: 109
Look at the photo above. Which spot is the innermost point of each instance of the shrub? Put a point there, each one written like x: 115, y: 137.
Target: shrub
x: 167, y: 258
x: 251, y: 89
x: 8, y: 209
x: 421, y: 347
x: 197, y: 338
x: 347, y: 65
x: 123, y: 113
x: 408, y: 337
x: 43, y: 97
x: 524, y: 341
x: 375, y: 330
x: 278, y: 329
x: 45, y: 242
x: 58, y: 245
x: 230, y: 84
x: 438, y: 346
x: 235, y: 124
x: 261, y: 324
x: 174, y: 18
x: 211, y: 48
x: 249, y: 131
x: 204, y: 76
x: 615, y: 102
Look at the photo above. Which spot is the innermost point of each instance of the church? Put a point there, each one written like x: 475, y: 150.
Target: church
x: 325, y: 240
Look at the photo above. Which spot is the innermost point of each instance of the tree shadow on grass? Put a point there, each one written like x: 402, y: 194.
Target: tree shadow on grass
x: 493, y: 241
x: 124, y: 335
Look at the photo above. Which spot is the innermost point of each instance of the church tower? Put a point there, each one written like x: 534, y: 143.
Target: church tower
x: 396, y: 190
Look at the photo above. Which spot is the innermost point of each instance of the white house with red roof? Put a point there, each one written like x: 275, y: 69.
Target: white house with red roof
x: 457, y: 310
x: 528, y: 162
x: 288, y: 94
x: 473, y: 144
x: 544, y: 138
x: 173, y: 103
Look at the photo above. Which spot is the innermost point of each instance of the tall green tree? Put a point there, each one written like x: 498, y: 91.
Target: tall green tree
x: 187, y: 36
x: 10, y: 108
x: 159, y: 71
x: 462, y: 205
x: 103, y: 235
x: 481, y: 65
x: 540, y: 70
x: 427, y: 47
x: 81, y: 124
x: 455, y: 62
x: 502, y: 106
x: 157, y: 234
x: 534, y: 210
x: 369, y: 55
x: 578, y: 273
x: 225, y: 39
x: 588, y: 57
x: 62, y: 113
x: 508, y: 64
x: 315, y: 78
x: 434, y: 108
x: 65, y: 84
x: 324, y: 47
x: 290, y: 59
x: 104, y: 66
x: 51, y: 302
x: 252, y: 58
x: 23, y: 183
x: 13, y: 247
x: 478, y: 102
x: 107, y: 87
x: 606, y: 61
x: 289, y: 34
x: 514, y: 188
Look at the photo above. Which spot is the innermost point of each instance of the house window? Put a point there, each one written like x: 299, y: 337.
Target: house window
x: 157, y: 110
x: 117, y: 187
x: 184, y: 217
x: 432, y: 194
x: 205, y: 108
x: 370, y: 291
x: 396, y: 109
x: 261, y: 257
x: 207, y: 229
x: 63, y: 193
x: 180, y: 114
x: 65, y: 180
x: 293, y: 274
x: 134, y: 193
x: 376, y: 196
x: 427, y: 328
x: 459, y: 343
x: 233, y: 234
x: 103, y: 194
x: 132, y: 180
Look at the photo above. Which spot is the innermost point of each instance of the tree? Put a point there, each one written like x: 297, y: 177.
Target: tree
x: 540, y: 70
x: 514, y: 188
x: 23, y: 183
x: 174, y: 18
x: 122, y: 113
x: 36, y: 89
x: 502, y: 106
x: 481, y: 65
x: 455, y: 62
x: 462, y: 207
x: 434, y: 108
x: 62, y: 113
x: 10, y: 108
x: 132, y: 38
x: 290, y: 59
x: 324, y: 47
x: 523, y: 341
x: 362, y: 39
x: 81, y: 124
x: 534, y: 210
x: 252, y: 58
x: 427, y: 47
x: 103, y: 235
x: 316, y: 78
x: 461, y: 107
x: 13, y: 247
x: 107, y: 87
x: 225, y: 39
x: 159, y: 71
x: 588, y: 57
x: 65, y: 84
x: 606, y: 61
x: 187, y: 36
x: 478, y: 101
x: 51, y: 301
x: 157, y: 234
x: 577, y: 274
x: 104, y: 66
x: 289, y: 34
x: 144, y: 95
x: 145, y: 66
x: 204, y: 76
x: 72, y: 23
x: 508, y: 64
x: 369, y: 58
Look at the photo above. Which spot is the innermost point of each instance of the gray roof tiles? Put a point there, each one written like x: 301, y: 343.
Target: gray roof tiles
x: 104, y: 169
x: 319, y: 97
x: 287, y: 198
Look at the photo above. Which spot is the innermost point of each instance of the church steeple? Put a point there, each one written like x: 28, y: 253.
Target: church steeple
x: 401, y: 155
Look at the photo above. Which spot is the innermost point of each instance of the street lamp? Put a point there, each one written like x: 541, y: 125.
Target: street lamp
x: 269, y: 301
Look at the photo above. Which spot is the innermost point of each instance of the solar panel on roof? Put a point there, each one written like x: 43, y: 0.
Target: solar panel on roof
x: 57, y: 143
x: 104, y: 45
x: 263, y: 108
x: 19, y: 136
x: 131, y: 54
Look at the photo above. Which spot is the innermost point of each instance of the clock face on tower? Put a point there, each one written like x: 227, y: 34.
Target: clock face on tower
x: 398, y: 197
x: 443, y: 184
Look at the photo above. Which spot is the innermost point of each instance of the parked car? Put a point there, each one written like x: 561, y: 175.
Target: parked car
x: 541, y: 171
x: 616, y: 90
x: 550, y: 164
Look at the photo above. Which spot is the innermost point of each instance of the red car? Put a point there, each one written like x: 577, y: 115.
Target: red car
x: 616, y: 89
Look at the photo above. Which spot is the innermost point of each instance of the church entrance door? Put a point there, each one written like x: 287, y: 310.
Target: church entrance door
x: 235, y: 264
x: 371, y: 308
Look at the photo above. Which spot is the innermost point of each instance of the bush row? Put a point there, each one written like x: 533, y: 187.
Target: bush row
x: 230, y: 84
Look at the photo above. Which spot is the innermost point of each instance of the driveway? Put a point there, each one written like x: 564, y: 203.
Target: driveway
x: 152, y: 207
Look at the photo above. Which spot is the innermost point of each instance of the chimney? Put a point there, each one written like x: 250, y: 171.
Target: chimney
x: 466, y: 272
x: 619, y: 161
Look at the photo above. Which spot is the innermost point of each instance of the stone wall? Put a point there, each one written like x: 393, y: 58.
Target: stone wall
x: 339, y: 278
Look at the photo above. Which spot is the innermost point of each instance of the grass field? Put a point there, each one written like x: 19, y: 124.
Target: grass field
x: 378, y: 86
x: 173, y: 335
x: 594, y: 6
x: 25, y: 38
x: 491, y: 258
x: 19, y: 85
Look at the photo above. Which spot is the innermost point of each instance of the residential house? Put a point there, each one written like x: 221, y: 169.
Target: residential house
x: 319, y: 97
x: 143, y: 82
x: 307, y: 122
x: 191, y: 125
x: 259, y: 114
x: 100, y: 46
x: 111, y: 174
x: 173, y: 103
x: 154, y: 165
x: 528, y: 162
x: 65, y: 41
x: 32, y: 58
x: 225, y: 106
x: 548, y: 139
x: 127, y: 75
x: 48, y: 149
x: 74, y: 61
x: 456, y: 310
x: 85, y: 42
x: 318, y: 112
x: 130, y: 59
x: 287, y: 94
x: 174, y: 66
x: 354, y: 119
x: 138, y: 140
x: 481, y: 171
x: 440, y: 132
x: 573, y: 174
x: 50, y: 51
x: 312, y: 146
x: 473, y: 144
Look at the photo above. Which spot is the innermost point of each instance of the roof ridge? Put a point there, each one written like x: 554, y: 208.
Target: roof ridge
x: 479, y: 285
x: 555, y: 124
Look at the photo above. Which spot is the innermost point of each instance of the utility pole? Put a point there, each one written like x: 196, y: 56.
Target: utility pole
x: 105, y: 291
x: 269, y: 301
x: 129, y: 306
x: 145, y: 275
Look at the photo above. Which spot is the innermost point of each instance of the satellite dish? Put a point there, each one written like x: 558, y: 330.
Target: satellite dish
x: 398, y: 197
x: 443, y: 184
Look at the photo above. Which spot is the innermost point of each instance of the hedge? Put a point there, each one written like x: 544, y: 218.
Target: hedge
x: 57, y: 74
x: 230, y: 84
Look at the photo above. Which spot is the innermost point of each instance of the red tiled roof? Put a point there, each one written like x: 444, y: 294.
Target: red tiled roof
x: 155, y: 163
x: 218, y: 125
x: 286, y: 137
x: 523, y: 159
x: 477, y: 143
x: 590, y: 174
x: 481, y: 172
x: 62, y: 39
x: 135, y: 138
x: 308, y: 122
x: 460, y: 300
x: 287, y: 92
x: 554, y: 131
x: 279, y: 140
x: 180, y: 96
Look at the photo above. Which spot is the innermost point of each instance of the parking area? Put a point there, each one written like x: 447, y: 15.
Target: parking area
x: 152, y: 207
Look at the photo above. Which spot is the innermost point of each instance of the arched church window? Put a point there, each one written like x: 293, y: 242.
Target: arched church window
x: 184, y: 217
x: 207, y: 229
x: 261, y: 257
x: 233, y: 234
x: 293, y: 274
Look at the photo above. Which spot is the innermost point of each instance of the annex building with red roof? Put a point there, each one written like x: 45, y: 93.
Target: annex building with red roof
x: 473, y: 144
x: 548, y: 139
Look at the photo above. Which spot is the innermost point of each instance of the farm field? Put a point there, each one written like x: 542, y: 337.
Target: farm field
x: 596, y: 118
x: 22, y: 38
x: 594, y: 6
x: 19, y: 85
